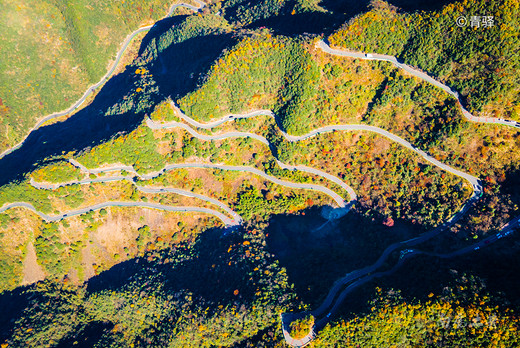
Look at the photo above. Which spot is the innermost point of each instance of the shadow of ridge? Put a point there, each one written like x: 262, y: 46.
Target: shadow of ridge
x: 491, y: 269
x: 353, y: 7
x: 87, y: 336
x: 315, y: 259
x: 90, y: 127
x: 204, y: 269
x: 181, y: 67
x: 159, y: 28
x: 302, y: 23
x: 12, y: 304
x: 377, y: 97
x: 286, y: 23
x: 511, y: 184
x: 339, y: 12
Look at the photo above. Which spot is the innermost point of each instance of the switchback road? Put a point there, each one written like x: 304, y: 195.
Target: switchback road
x: 237, y: 220
x: 352, y: 280
x: 417, y: 73
x: 475, y: 183
x: 226, y: 220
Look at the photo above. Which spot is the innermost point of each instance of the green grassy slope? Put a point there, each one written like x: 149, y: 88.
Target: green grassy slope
x: 189, y: 286
x: 53, y: 50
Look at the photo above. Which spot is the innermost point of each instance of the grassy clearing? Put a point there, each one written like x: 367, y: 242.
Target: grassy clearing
x: 52, y: 50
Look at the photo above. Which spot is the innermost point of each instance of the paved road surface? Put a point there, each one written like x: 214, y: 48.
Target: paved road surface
x: 420, y: 74
x: 105, y: 78
x: 475, y: 183
x: 226, y: 220
x: 237, y: 220
x: 337, y: 198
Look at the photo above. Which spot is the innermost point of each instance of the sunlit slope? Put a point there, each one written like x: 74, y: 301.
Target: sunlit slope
x: 53, y: 50
x: 478, y: 56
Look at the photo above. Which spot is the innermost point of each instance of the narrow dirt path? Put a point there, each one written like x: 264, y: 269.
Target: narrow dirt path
x: 32, y: 271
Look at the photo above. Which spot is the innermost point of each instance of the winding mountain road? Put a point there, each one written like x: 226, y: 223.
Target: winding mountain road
x: 407, y: 254
x: 352, y: 280
x: 105, y: 78
x: 358, y: 277
x: 382, y: 259
x: 237, y: 220
x: 361, y: 277
x: 475, y: 182
x: 226, y: 220
x: 417, y: 73
x: 337, y: 198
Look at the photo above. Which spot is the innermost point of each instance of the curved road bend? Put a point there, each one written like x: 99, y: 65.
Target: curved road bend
x: 477, y: 190
x: 237, y: 219
x: 358, y: 280
x: 105, y: 78
x: 152, y: 175
x: 386, y: 253
x: 351, y: 192
x: 417, y: 73
x: 475, y: 183
x: 337, y: 198
x: 226, y: 220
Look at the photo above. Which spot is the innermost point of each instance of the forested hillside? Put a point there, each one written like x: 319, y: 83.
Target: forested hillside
x: 169, y: 299
x: 236, y: 170
x: 480, y: 62
x: 54, y: 50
